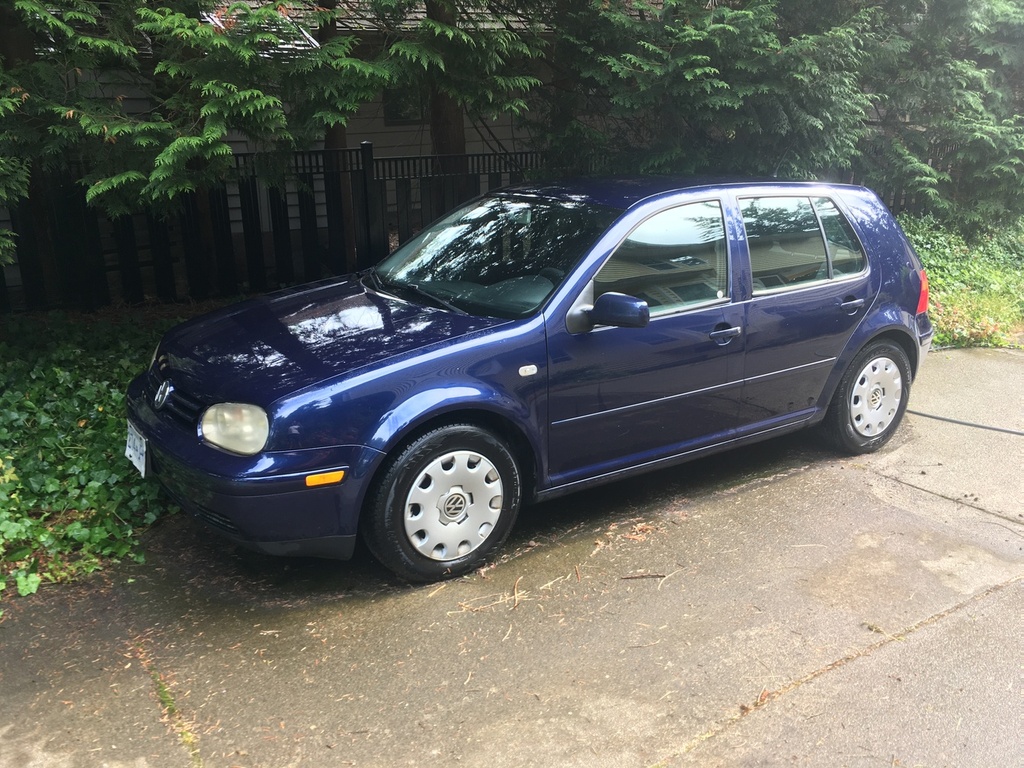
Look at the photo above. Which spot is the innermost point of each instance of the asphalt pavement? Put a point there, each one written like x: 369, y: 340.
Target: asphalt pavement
x: 777, y: 605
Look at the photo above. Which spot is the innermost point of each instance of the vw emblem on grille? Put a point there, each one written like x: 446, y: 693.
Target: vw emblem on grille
x: 163, y: 394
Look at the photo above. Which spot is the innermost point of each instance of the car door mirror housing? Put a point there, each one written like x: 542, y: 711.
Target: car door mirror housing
x: 619, y: 310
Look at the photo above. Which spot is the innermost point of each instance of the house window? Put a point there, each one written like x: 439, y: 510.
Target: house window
x: 405, y: 106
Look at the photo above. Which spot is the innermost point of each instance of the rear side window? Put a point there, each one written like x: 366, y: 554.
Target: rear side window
x: 845, y: 253
x: 798, y: 240
x: 674, y: 259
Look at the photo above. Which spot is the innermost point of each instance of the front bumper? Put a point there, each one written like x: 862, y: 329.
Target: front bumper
x: 259, y: 502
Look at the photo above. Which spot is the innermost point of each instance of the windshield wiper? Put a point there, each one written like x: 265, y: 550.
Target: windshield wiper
x: 373, y: 277
x: 413, y: 288
x: 436, y: 300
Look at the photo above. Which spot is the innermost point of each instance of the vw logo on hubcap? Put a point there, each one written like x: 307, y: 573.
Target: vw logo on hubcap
x: 454, y: 505
x: 163, y: 394
x: 876, y: 397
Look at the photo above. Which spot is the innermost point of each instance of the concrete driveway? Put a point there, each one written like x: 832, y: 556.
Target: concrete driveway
x: 774, y: 606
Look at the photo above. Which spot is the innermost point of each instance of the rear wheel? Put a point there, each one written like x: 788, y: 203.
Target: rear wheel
x: 444, y: 504
x: 871, y: 399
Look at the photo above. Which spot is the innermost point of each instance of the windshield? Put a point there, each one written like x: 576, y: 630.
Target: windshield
x: 498, y: 256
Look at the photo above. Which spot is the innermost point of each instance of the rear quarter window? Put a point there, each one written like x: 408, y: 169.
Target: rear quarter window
x: 844, y: 249
x: 795, y: 241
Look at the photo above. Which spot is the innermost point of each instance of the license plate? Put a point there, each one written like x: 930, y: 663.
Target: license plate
x: 135, y: 449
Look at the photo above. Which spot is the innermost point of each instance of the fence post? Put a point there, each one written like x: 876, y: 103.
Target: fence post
x: 280, y: 225
x: 160, y: 252
x: 252, y: 231
x: 132, y: 291
x: 403, y: 208
x: 29, y: 259
x: 196, y: 253
x: 374, y: 214
x: 308, y: 234
x: 5, y: 299
x: 77, y: 250
x: 338, y: 201
x: 223, y: 245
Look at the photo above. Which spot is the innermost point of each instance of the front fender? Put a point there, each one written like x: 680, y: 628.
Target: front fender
x: 430, y: 405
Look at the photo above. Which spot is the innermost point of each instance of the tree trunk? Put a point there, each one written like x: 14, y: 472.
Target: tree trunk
x: 447, y: 126
x: 17, y: 47
x: 17, y: 44
x: 336, y: 140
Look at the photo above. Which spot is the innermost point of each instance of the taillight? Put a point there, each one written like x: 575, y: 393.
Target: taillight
x: 922, y: 299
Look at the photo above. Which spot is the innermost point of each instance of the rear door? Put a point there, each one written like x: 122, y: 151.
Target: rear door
x: 811, y: 286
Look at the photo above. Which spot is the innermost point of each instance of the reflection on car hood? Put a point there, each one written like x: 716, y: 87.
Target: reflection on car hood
x: 265, y: 348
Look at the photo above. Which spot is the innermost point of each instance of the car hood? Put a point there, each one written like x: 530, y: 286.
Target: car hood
x: 263, y: 349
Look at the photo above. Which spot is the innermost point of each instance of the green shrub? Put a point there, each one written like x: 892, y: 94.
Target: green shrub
x: 68, y: 497
x: 977, y: 286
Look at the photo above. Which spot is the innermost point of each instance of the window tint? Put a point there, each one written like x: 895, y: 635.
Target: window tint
x: 785, y: 242
x: 499, y: 256
x: 674, y: 259
x: 843, y: 247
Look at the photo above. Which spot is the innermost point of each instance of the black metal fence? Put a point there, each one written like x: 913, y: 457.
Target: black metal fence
x: 326, y: 213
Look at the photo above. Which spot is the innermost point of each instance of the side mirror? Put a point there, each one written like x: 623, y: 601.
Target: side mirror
x: 619, y: 310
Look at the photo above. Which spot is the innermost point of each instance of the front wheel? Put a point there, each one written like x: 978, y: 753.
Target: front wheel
x: 871, y: 399
x: 444, y: 504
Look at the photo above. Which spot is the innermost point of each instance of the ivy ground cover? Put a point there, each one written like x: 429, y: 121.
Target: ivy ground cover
x: 68, y: 498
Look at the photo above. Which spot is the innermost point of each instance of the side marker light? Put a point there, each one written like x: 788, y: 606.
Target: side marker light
x: 326, y: 478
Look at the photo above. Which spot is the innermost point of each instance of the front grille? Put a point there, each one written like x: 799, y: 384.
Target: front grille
x: 184, y: 407
x: 179, y: 404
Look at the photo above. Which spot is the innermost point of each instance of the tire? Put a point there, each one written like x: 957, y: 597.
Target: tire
x: 871, y: 399
x: 445, y: 503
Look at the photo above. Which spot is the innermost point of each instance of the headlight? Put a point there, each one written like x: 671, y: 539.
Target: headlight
x: 236, y: 427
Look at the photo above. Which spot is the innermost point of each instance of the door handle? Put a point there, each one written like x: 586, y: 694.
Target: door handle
x: 725, y: 335
x: 851, y: 305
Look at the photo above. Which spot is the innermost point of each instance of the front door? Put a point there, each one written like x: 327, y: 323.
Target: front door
x: 623, y: 397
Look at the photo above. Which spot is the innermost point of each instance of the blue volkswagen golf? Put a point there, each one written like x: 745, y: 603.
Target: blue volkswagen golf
x: 539, y: 340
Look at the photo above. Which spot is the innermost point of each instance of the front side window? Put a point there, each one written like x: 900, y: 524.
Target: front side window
x: 796, y: 240
x: 674, y: 259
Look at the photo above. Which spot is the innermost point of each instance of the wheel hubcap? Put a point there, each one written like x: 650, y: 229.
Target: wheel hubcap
x: 875, y: 398
x: 453, y: 505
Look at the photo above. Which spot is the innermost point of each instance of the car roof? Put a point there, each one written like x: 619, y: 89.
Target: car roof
x: 624, y: 193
